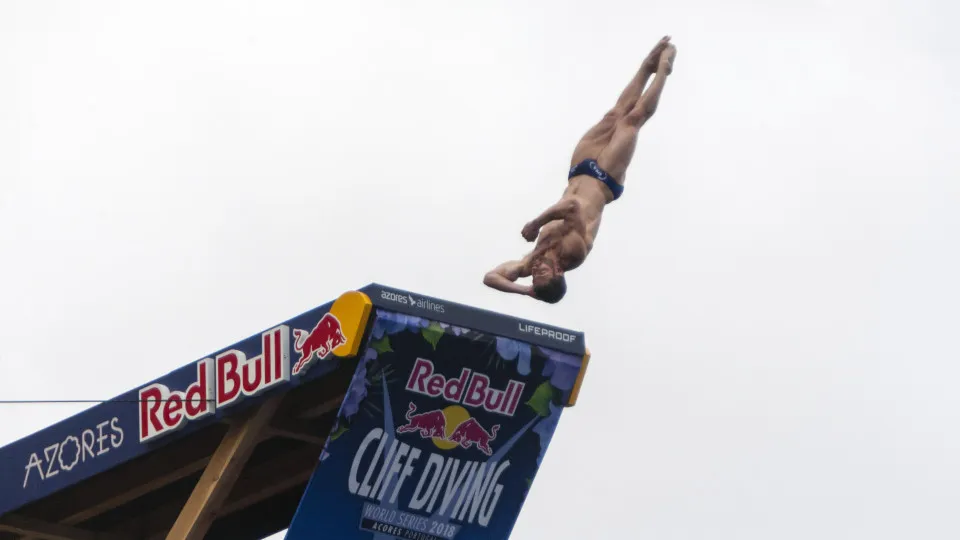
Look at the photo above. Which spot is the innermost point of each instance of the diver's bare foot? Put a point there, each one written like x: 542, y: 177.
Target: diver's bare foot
x: 666, y: 59
x: 652, y: 60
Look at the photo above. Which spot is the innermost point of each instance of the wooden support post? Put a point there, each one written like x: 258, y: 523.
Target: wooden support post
x: 257, y: 483
x: 221, y: 473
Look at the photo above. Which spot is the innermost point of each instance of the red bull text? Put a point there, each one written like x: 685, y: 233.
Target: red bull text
x: 231, y: 377
x: 470, y: 389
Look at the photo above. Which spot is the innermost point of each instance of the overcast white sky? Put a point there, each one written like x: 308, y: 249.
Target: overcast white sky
x: 772, y: 305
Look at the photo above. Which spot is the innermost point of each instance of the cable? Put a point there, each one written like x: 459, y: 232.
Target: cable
x: 57, y: 401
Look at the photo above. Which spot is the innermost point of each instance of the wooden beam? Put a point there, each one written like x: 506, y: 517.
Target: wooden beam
x: 323, y: 408
x: 256, y: 484
x: 265, y: 493
x: 295, y: 435
x: 310, y: 413
x: 136, y: 492
x: 41, y: 530
x: 112, y: 489
x: 273, y: 477
x: 294, y: 428
x: 254, y: 497
x: 221, y: 473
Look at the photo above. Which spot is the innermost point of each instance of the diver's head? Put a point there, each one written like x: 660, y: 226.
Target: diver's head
x: 549, y: 284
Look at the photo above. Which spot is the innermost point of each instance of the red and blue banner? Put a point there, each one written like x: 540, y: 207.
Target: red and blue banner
x: 440, y: 436
x: 295, y: 352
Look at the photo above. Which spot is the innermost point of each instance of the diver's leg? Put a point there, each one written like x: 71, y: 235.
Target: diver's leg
x: 634, y: 91
x: 596, y: 138
x: 599, y: 136
x: 616, y: 156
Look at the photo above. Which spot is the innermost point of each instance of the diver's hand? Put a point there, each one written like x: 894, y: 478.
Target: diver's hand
x: 530, y: 231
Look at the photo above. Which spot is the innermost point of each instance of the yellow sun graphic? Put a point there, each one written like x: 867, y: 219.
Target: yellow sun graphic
x: 454, y: 415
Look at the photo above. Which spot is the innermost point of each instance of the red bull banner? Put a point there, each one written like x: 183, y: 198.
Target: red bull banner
x: 440, y: 436
x: 271, y: 362
x: 233, y: 375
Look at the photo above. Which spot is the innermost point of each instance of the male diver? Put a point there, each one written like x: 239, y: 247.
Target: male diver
x: 568, y: 229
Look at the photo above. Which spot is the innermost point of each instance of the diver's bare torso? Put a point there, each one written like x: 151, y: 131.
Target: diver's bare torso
x: 593, y: 198
x: 575, y: 240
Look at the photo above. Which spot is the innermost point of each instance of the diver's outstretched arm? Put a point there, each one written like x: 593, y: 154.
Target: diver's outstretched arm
x: 503, y: 278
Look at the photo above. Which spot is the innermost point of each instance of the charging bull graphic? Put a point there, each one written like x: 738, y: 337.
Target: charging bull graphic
x: 430, y: 424
x: 434, y: 425
x: 471, y: 432
x: 326, y: 336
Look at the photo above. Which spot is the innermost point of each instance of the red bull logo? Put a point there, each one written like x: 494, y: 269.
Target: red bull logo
x: 472, y: 389
x: 431, y: 424
x: 326, y: 336
x: 470, y: 432
x: 246, y: 370
x: 232, y: 376
x: 220, y: 382
x: 449, y: 428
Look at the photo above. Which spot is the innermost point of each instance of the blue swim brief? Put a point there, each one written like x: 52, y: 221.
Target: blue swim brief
x: 589, y: 167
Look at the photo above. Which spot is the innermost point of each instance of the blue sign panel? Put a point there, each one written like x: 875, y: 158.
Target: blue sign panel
x: 544, y: 335
x: 440, y: 435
